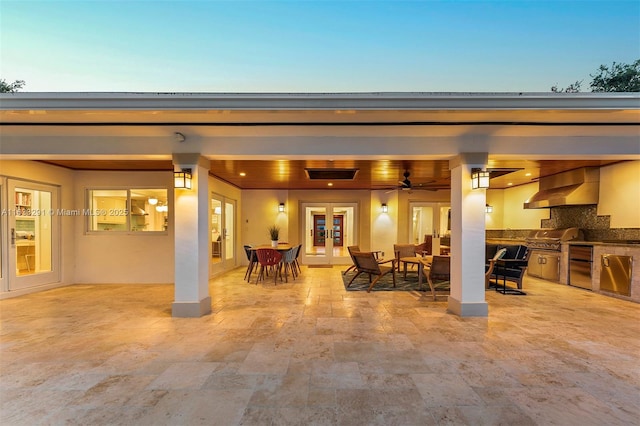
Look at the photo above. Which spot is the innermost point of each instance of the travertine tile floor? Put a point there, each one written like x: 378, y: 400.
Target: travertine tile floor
x: 309, y: 353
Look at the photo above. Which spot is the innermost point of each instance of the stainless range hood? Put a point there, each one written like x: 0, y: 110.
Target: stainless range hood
x: 573, y: 188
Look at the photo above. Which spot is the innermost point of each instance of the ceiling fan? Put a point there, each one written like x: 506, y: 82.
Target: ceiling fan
x: 407, y: 185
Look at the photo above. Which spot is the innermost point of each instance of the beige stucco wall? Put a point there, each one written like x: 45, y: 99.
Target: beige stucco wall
x: 508, y: 211
x: 620, y: 194
x: 138, y: 257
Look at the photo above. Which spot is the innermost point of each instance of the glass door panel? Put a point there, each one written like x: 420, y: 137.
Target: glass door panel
x: 33, y: 234
x: 223, y: 225
x: 229, y: 231
x: 4, y: 282
x: 431, y: 219
x: 216, y: 230
x: 328, y: 229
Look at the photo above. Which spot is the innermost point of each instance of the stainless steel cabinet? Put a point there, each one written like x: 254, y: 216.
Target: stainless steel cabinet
x: 544, y: 264
x: 615, y: 275
x: 580, y: 266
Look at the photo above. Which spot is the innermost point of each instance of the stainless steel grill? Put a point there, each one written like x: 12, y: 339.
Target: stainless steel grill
x: 544, y: 247
x: 551, y: 239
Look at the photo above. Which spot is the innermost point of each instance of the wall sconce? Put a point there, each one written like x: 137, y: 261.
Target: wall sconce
x: 152, y: 201
x: 384, y: 208
x: 479, y: 178
x: 182, y: 179
x: 281, y: 207
x: 488, y: 209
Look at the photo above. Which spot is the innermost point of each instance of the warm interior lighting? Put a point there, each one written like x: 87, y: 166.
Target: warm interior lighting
x: 479, y: 178
x: 488, y: 209
x: 281, y: 207
x: 182, y: 179
x: 243, y: 174
x: 384, y: 208
x: 153, y: 201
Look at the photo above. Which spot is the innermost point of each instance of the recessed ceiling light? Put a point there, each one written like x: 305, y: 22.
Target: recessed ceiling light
x: 527, y: 174
x: 510, y: 184
x: 330, y: 184
x: 243, y: 174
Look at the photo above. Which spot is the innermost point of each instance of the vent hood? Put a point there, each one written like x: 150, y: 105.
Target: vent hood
x: 137, y: 211
x: 573, y: 188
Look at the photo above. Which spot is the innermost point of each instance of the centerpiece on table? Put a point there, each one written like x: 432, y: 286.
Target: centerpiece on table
x: 274, y: 233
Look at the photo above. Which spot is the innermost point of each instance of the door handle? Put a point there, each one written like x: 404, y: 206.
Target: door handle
x: 13, y: 236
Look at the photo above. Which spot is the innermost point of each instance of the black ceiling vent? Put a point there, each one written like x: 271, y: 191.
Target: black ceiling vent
x: 331, y: 174
x: 497, y: 172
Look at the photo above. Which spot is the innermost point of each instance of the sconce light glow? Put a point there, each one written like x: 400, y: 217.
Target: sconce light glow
x: 488, y: 209
x: 385, y: 209
x: 281, y: 207
x: 153, y: 201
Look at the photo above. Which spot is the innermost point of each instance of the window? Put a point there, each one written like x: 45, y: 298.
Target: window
x: 128, y: 210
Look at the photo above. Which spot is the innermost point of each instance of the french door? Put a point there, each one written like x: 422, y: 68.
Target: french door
x: 429, y: 219
x: 30, y: 235
x: 223, y: 239
x: 328, y: 229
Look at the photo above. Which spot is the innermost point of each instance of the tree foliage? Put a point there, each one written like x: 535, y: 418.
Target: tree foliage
x: 10, y: 87
x: 619, y: 78
x: 572, y: 88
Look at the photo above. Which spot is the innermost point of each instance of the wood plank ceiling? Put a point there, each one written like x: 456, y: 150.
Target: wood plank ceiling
x: 371, y: 174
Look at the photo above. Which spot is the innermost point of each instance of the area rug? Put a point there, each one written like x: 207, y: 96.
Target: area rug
x: 386, y: 283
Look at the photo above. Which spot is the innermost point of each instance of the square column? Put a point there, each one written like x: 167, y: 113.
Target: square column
x: 191, y: 226
x: 467, y: 297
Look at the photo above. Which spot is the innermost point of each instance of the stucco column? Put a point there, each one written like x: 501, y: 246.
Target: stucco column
x: 191, y: 226
x: 467, y: 297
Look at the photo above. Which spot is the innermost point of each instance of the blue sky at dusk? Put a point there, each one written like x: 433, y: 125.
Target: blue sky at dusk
x: 313, y: 46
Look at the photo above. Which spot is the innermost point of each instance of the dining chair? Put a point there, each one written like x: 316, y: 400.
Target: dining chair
x: 251, y: 257
x: 438, y: 273
x: 289, y: 262
x: 297, y: 261
x: 403, y: 250
x: 366, y: 263
x: 269, y: 259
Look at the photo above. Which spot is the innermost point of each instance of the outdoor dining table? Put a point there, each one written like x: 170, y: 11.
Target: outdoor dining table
x: 281, y: 248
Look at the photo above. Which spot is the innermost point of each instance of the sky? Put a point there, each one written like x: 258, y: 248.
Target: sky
x: 309, y: 46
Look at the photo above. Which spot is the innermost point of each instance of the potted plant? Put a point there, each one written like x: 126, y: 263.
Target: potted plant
x: 274, y: 233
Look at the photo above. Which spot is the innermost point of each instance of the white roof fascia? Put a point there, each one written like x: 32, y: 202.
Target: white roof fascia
x: 319, y: 101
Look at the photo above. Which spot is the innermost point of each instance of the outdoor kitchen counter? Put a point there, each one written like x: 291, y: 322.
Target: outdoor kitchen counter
x: 507, y: 241
x: 622, y: 243
x: 600, y: 248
